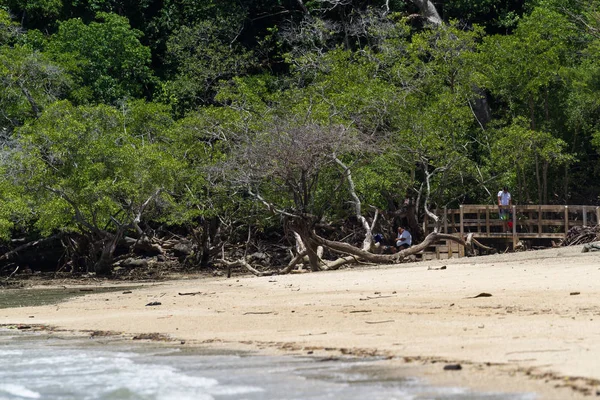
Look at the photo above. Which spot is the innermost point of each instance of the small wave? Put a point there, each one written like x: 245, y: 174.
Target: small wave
x: 6, y: 353
x: 18, y: 390
x: 234, y: 390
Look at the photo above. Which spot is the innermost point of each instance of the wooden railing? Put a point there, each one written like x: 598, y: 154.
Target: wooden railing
x: 527, y: 221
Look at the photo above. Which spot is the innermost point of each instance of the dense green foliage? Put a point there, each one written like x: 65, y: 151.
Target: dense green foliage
x: 115, y: 117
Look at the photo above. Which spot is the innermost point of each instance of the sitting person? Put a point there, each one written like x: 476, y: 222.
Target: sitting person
x: 404, y: 240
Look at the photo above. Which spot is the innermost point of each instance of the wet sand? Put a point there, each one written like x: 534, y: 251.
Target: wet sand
x: 538, y: 331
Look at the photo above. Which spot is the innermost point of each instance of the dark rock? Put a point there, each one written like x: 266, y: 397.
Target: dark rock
x: 154, y: 303
x: 183, y: 249
x: 452, y: 367
x: 134, y: 263
x: 258, y: 256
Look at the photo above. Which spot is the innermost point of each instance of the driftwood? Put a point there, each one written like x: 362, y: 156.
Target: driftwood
x: 581, y: 235
x: 590, y: 247
x: 364, y: 255
x: 471, y: 243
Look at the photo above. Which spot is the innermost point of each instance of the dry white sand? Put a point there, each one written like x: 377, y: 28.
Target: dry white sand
x: 539, y: 331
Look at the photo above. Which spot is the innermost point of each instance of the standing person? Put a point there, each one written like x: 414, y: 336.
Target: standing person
x: 404, y: 240
x: 504, y: 203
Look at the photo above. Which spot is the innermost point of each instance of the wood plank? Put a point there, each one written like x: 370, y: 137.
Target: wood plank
x: 462, y: 227
x: 540, y: 220
x: 566, y: 219
x: 474, y: 208
x: 520, y: 235
x: 584, y: 211
x: 487, y: 219
x: 514, y: 227
x: 545, y: 222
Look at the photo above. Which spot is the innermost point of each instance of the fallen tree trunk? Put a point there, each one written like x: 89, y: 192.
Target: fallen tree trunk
x: 346, y: 248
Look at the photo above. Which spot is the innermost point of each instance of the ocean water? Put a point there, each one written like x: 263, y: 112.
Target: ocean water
x: 40, y: 366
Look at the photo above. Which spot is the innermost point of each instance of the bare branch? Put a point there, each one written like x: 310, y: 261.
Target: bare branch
x: 299, y: 257
x: 78, y: 214
x: 270, y: 206
x: 428, y: 11
x: 302, y: 6
x: 243, y: 263
x: 368, y: 240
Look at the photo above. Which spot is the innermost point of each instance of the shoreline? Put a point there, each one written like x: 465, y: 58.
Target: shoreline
x: 533, y: 334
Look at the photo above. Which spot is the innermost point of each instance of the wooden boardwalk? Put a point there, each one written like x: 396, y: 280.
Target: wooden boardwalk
x: 529, y: 222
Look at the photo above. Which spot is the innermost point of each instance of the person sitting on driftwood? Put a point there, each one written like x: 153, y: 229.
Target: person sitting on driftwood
x: 404, y: 240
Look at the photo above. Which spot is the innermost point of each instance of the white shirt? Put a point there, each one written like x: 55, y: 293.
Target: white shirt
x: 504, y: 198
x: 407, y: 238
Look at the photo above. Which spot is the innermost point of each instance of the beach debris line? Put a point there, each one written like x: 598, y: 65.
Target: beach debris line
x: 195, y: 293
x: 152, y: 336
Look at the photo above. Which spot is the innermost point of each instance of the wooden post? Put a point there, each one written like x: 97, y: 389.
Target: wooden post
x: 566, y: 219
x: 461, y: 249
x: 584, y: 211
x: 539, y: 221
x: 448, y: 243
x: 487, y: 219
x: 597, y: 215
x: 514, y: 228
x: 462, y: 226
x: 453, y: 218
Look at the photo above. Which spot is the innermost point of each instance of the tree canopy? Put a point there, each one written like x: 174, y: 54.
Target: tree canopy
x: 121, y: 120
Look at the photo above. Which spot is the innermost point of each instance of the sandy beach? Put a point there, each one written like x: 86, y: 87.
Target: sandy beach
x: 515, y: 322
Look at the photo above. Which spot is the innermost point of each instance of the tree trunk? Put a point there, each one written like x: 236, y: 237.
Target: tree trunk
x: 538, y: 178
x: 209, y: 233
x: 302, y: 226
x: 531, y: 112
x: 103, y: 266
x: 545, y: 182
